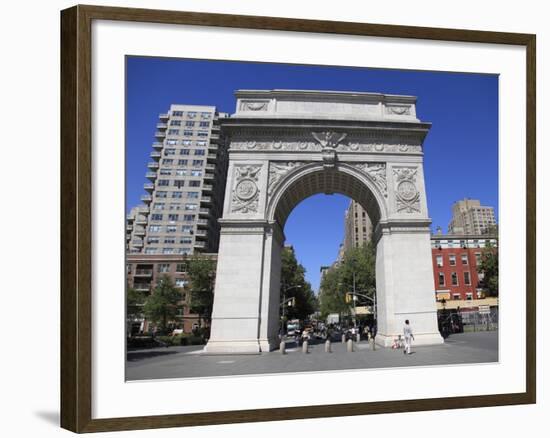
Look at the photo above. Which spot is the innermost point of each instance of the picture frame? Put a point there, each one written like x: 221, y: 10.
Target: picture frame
x: 77, y: 167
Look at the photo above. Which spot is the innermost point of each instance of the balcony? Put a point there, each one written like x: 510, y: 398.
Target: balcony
x: 201, y: 233
x: 207, y: 187
x: 208, y: 176
x: 210, y: 167
x: 200, y: 245
x: 158, y: 145
x: 202, y: 222
x: 164, y: 116
x: 162, y: 126
x: 130, y: 217
x: 143, y: 273
x: 136, y: 242
x: 143, y: 209
x: 213, y: 146
x: 139, y: 231
x: 149, y: 187
x: 204, y: 211
x: 141, y: 220
x: 160, y: 134
x: 155, y: 154
x: 146, y: 198
x: 206, y: 199
x: 211, y: 156
x: 129, y: 227
x: 153, y: 165
x: 144, y: 287
x: 151, y: 175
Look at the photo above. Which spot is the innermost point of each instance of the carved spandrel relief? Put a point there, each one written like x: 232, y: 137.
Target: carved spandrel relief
x: 329, y: 141
x: 246, y: 194
x: 377, y: 173
x: 277, y: 170
x: 407, y: 196
x: 398, y: 110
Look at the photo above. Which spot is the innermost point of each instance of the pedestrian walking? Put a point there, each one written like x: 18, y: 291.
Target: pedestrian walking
x: 408, y: 335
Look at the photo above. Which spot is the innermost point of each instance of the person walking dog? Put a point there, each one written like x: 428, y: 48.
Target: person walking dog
x: 408, y: 334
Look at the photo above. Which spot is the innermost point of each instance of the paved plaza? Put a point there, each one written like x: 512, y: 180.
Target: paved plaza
x: 182, y: 362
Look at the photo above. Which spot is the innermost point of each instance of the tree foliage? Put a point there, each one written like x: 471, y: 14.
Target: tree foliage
x: 294, y: 285
x: 134, y: 303
x: 201, y: 273
x: 357, y: 271
x: 162, y: 305
x: 488, y: 267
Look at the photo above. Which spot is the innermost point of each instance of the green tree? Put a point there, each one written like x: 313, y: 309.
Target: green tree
x: 134, y: 306
x: 201, y: 273
x: 488, y: 267
x: 358, y: 268
x: 162, y: 305
x: 294, y: 285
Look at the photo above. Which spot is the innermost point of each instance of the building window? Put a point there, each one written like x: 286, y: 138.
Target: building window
x: 187, y: 133
x: 190, y: 123
x: 452, y: 260
x: 201, y: 143
x: 167, y: 161
x: 454, y: 279
x: 196, y: 173
x: 464, y: 258
x: 441, y: 277
x: 152, y: 240
x: 173, y: 132
x: 192, y: 114
x: 172, y: 142
x: 206, y: 115
x: 479, y: 293
x: 158, y: 206
x: 204, y: 124
x: 175, y: 123
x: 182, y: 163
x: 186, y: 142
x: 456, y: 296
x: 467, y: 279
x: 193, y: 195
x: 171, y: 229
x: 174, y: 207
x: 168, y: 250
x: 165, y: 171
x: 163, y: 182
x: 180, y: 267
x: 177, y: 113
x: 151, y: 250
x: 185, y: 151
x: 197, y: 163
x: 199, y: 151
x: 161, y: 194
x: 439, y: 261
x: 202, y: 133
x: 187, y: 229
x: 169, y: 151
x: 194, y: 183
x: 179, y: 183
x: 478, y: 258
x: 177, y: 194
x: 191, y: 206
x: 163, y: 268
x: 172, y: 217
x: 155, y: 228
x: 181, y: 282
x: 469, y: 296
x: 156, y: 217
x: 186, y: 240
x: 188, y: 217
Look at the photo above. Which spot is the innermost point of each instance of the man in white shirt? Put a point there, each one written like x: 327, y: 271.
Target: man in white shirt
x: 408, y: 335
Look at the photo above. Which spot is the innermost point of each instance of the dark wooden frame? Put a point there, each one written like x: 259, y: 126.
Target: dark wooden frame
x: 76, y: 174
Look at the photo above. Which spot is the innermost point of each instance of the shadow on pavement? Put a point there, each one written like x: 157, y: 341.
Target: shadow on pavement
x: 140, y: 355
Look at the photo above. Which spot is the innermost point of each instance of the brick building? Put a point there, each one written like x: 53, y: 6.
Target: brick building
x: 143, y: 273
x: 455, y: 260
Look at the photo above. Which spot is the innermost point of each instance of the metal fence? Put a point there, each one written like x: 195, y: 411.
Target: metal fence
x: 480, y: 321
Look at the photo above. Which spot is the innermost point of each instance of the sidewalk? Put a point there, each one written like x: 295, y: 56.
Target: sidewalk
x: 181, y: 362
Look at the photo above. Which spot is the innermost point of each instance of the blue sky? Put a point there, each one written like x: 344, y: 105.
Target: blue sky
x: 461, y: 149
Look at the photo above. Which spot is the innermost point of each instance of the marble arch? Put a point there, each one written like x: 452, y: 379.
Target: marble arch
x: 286, y: 145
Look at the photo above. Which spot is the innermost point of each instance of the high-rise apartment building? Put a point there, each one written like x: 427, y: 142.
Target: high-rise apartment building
x: 184, y: 195
x: 470, y: 217
x: 358, y: 227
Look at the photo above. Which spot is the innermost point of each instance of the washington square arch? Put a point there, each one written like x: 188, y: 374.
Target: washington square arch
x: 287, y: 145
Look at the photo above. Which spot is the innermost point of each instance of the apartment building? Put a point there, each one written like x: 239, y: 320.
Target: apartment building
x: 470, y: 217
x: 186, y: 183
x: 358, y: 227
